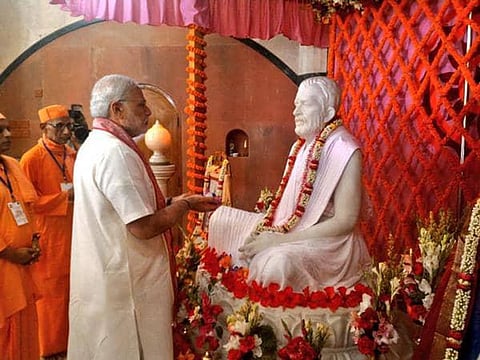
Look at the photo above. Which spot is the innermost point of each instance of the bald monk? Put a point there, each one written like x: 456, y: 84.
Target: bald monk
x: 18, y: 250
x: 49, y: 166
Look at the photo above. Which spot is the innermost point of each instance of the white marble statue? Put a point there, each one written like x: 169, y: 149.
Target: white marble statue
x: 309, y: 236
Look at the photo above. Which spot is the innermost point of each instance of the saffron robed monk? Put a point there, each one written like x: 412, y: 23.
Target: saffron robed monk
x: 308, y: 236
x: 122, y: 285
x: 19, y: 249
x: 49, y: 166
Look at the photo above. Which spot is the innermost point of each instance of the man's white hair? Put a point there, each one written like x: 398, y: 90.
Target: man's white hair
x: 327, y: 89
x: 108, y: 89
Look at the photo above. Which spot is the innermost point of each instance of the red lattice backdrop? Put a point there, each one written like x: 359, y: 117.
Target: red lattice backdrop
x: 410, y: 73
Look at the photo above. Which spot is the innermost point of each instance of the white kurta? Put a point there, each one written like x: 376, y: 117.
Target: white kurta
x: 316, y: 263
x: 121, y: 295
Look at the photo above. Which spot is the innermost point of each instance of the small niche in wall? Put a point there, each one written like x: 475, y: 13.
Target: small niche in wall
x: 237, y: 143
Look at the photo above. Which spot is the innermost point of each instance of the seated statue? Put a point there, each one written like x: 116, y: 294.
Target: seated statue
x: 308, y: 236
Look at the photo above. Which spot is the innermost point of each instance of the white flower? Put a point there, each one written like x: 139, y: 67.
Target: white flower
x: 386, y: 333
x: 424, y: 286
x: 196, y: 314
x: 430, y: 258
x: 257, y: 350
x: 428, y: 301
x: 394, y: 287
x: 233, y: 343
x: 365, y: 304
x: 239, y: 326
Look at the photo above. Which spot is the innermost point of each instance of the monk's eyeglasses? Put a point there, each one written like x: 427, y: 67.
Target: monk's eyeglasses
x: 61, y: 126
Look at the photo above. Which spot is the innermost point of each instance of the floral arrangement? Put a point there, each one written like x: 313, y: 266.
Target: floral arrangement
x: 372, y: 324
x: 249, y: 337
x: 325, y: 9
x: 308, y: 346
x: 422, y: 269
x: 196, y: 328
x: 465, y: 278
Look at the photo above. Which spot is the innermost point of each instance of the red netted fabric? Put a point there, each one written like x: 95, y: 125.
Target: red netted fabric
x: 410, y: 74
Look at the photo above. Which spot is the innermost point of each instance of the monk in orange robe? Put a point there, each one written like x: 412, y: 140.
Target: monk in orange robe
x: 18, y: 250
x: 49, y: 166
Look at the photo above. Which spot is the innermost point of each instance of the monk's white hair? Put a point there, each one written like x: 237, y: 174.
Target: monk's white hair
x: 108, y: 89
x: 327, y: 89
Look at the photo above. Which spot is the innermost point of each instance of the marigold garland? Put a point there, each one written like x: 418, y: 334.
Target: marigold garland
x: 195, y: 109
x: 198, y: 72
x: 197, y: 103
x: 196, y: 85
x: 197, y: 94
x: 196, y: 51
x: 200, y: 125
x: 308, y: 181
x: 198, y: 62
x: 197, y: 40
x: 194, y: 116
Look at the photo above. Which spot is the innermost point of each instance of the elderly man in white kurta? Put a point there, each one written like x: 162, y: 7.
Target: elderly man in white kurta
x: 121, y: 300
x: 308, y: 237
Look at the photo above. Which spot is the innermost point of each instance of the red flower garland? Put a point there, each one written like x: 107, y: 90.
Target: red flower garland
x: 235, y: 281
x: 309, y: 176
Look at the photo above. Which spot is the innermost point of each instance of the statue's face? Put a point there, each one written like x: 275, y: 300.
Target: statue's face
x: 309, y: 112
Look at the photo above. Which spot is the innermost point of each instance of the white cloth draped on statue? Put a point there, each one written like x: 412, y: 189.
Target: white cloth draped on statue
x: 316, y: 263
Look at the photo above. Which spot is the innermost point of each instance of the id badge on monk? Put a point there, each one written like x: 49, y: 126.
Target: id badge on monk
x: 18, y: 213
x: 66, y: 186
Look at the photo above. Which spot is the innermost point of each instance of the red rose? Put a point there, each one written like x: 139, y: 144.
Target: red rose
x: 247, y: 344
x: 366, y: 345
x: 234, y: 354
x: 318, y: 299
x: 297, y: 349
x: 210, y: 261
x: 368, y: 319
x: 418, y: 268
x: 416, y: 312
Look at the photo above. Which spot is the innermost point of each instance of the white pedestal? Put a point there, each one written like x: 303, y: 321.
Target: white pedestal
x: 162, y: 172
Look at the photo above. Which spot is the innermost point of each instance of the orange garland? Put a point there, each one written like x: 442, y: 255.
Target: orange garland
x: 196, y: 115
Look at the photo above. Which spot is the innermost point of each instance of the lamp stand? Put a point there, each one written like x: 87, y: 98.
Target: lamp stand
x: 163, y: 173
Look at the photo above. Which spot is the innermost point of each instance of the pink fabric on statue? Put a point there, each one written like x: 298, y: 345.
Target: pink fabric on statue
x: 261, y: 19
